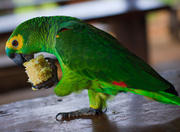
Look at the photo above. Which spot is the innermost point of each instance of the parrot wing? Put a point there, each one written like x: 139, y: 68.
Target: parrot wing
x: 99, y: 56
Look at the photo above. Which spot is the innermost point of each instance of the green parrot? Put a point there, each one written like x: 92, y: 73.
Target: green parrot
x: 90, y: 59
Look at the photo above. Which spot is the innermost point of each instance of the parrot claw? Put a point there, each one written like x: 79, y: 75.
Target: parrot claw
x: 78, y: 114
x: 50, y: 82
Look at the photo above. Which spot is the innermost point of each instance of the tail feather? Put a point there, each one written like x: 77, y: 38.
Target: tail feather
x: 160, y: 96
x: 172, y: 90
x: 168, y: 97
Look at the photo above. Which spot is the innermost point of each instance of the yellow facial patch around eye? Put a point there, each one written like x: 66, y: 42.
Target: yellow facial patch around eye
x: 19, y: 40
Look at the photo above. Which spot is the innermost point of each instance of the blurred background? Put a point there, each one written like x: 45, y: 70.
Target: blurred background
x: 149, y: 28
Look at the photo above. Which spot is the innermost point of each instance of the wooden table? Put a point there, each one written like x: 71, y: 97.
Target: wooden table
x: 127, y: 19
x: 126, y: 113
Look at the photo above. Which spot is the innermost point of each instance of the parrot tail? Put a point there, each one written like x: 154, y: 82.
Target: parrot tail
x: 160, y: 96
x: 169, y: 96
x: 172, y: 90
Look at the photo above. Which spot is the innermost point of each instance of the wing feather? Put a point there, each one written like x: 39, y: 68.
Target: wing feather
x: 98, y: 56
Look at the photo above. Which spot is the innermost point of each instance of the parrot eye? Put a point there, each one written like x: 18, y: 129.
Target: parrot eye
x: 15, y: 43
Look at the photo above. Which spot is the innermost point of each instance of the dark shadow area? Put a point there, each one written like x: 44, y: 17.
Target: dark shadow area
x: 100, y: 123
x: 103, y: 124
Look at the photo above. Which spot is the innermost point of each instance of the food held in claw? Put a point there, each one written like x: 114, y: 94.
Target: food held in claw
x: 38, y: 70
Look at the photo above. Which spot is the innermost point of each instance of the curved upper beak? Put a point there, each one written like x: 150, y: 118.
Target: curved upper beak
x: 19, y: 59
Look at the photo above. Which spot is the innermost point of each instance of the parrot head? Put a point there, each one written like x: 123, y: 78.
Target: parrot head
x: 34, y: 35
x: 14, y: 49
x: 23, y: 43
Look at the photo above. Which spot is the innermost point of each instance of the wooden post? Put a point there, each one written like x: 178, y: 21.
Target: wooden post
x: 130, y: 30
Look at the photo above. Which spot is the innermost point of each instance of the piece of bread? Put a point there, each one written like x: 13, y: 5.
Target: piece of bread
x: 38, y: 70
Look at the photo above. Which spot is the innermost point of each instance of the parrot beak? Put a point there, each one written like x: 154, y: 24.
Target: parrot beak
x: 19, y: 59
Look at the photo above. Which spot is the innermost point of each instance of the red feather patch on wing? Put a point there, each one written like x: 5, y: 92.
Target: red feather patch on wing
x: 64, y: 29
x: 121, y: 84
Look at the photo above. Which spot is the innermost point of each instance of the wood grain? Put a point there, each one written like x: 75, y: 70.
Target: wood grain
x: 126, y: 112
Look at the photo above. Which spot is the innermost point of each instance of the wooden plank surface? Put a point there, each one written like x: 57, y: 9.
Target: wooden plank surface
x: 126, y: 113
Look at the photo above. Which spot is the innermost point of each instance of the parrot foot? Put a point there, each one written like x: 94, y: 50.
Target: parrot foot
x: 79, y: 113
